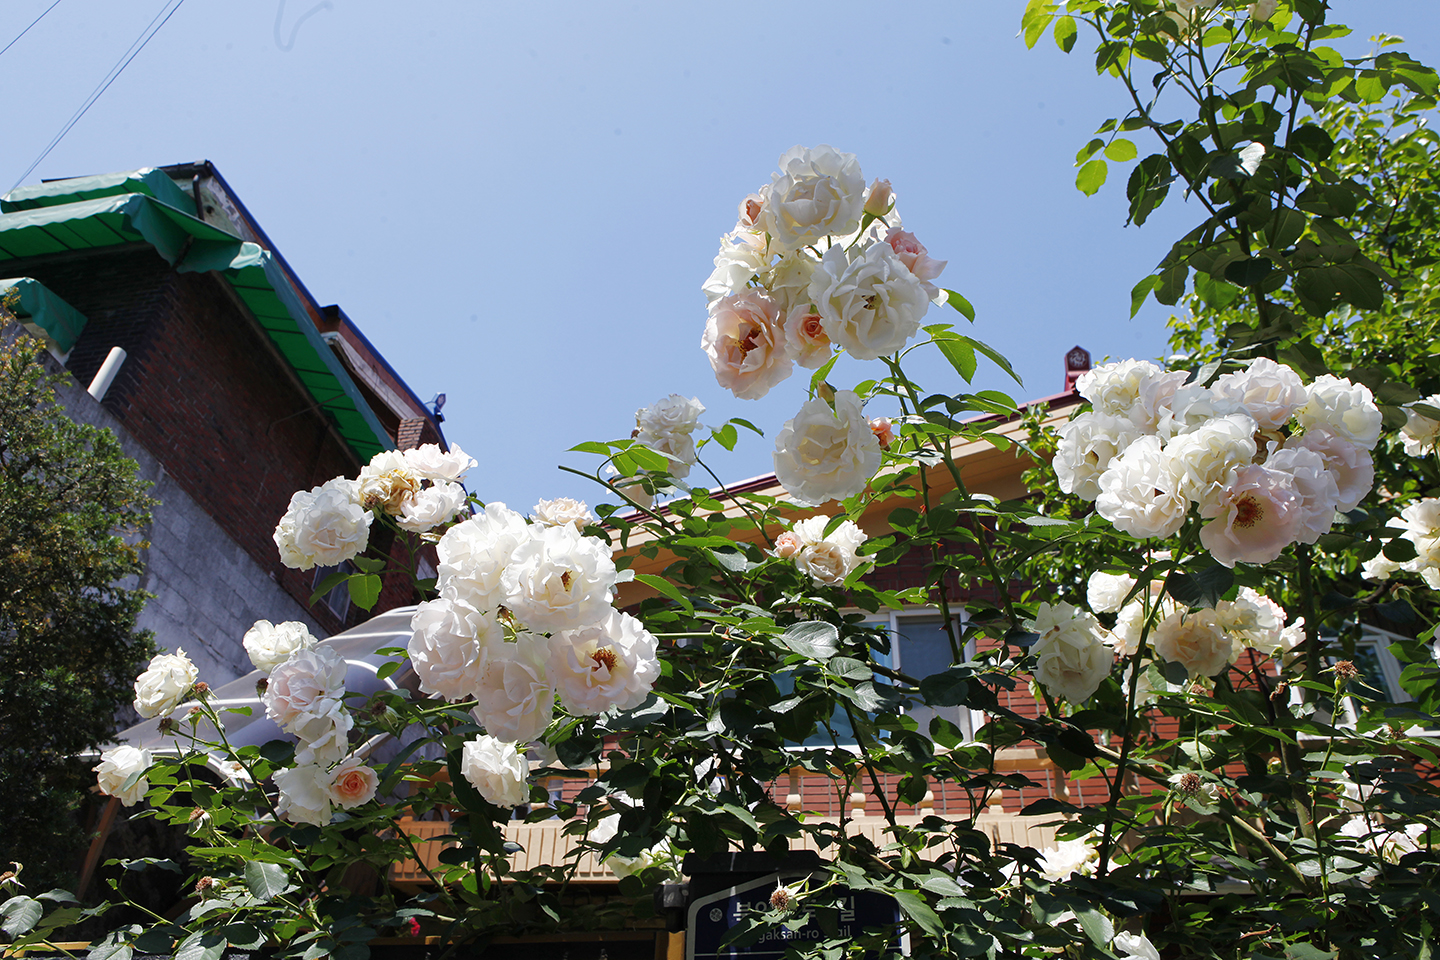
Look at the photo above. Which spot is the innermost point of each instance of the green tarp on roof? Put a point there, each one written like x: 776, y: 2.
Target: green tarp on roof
x: 148, y: 181
x: 40, y: 305
x: 192, y: 245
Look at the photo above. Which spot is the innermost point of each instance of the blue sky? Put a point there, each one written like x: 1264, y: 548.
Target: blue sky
x: 518, y: 203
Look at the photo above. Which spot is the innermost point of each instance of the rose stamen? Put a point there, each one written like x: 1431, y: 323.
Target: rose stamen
x: 605, y: 657
x: 1248, y: 512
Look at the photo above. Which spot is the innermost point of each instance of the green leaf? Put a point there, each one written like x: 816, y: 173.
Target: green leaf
x: 201, y: 946
x: 1037, y: 16
x: 949, y: 688
x: 747, y: 425
x: 960, y: 304
x: 1202, y: 587
x: 665, y: 588
x: 265, y: 881
x: 1139, y: 292
x: 815, y: 639
x: 915, y: 907
x: 818, y: 377
x: 19, y: 915
x: 368, y: 564
x: 365, y: 590
x: 961, y: 356
x: 996, y: 357
x: 591, y: 446
x: 1120, y: 150
x: 110, y: 948
x: 1065, y: 32
x: 726, y: 436
x: 1091, y: 177
x: 330, y: 582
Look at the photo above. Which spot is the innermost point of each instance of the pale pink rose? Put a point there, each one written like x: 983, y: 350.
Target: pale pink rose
x: 1269, y: 392
x: 1319, y: 495
x: 806, y: 339
x: 1254, y: 518
x: 1195, y: 641
x: 884, y: 431
x: 1349, y: 463
x: 745, y: 340
x: 612, y: 663
x: 750, y: 209
x: 787, y: 545
x: 916, y: 258
x: 1205, y: 460
x: 310, y: 685
x: 877, y: 200
x: 351, y: 784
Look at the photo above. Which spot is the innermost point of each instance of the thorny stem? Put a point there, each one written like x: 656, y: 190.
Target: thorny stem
x: 869, y: 765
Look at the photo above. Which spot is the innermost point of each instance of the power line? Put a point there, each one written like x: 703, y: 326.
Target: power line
x: 27, y: 29
x: 114, y: 74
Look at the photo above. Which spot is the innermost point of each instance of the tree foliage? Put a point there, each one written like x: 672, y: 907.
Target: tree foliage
x: 71, y: 512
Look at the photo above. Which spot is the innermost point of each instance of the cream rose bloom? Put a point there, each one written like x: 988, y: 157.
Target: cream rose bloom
x: 271, y: 644
x: 1067, y: 857
x: 323, y: 527
x: 818, y: 192
x: 868, y: 301
x: 742, y: 256
x: 562, y: 511
x: 823, y: 454
x: 1139, y: 493
x: 806, y: 338
x: 1071, y: 657
x: 1106, y: 592
x: 559, y: 580
x: 1268, y: 391
x: 429, y: 462
x: 351, y: 784
x: 514, y: 699
x: 827, y: 560
x: 308, y: 686
x: 1196, y: 641
x: 1205, y: 460
x: 432, y: 506
x: 475, y: 551
x: 1420, y: 433
x: 119, y: 764
x: 1347, y: 408
x: 303, y: 797
x: 613, y: 663
x: 1087, y: 446
x: 165, y: 684
x: 450, y: 645
x: 1253, y: 619
x: 745, y: 341
x: 387, y: 481
x: 496, y: 769
x: 1350, y: 464
x: 1113, y: 388
x: 1319, y: 494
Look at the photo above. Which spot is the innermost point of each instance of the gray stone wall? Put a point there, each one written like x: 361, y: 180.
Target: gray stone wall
x: 207, y: 590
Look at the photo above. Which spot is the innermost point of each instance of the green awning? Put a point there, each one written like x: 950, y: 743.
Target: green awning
x: 60, y: 322
x: 149, y: 181
x: 192, y: 245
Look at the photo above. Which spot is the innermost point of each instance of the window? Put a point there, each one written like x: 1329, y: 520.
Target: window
x: 337, y: 601
x: 920, y: 647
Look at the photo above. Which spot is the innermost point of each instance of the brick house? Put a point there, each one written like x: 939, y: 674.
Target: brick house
x: 237, y: 387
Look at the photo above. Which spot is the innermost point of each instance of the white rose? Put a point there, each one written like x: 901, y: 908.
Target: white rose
x: 1071, y: 658
x: 623, y: 866
x: 308, y: 686
x: 1113, y: 388
x: 1254, y: 518
x: 1379, y: 567
x: 1193, y: 406
x: 868, y: 302
x: 164, y: 684
x: 1136, y: 946
x: 817, y: 193
x: 323, y: 527
x: 119, y: 764
x: 324, y: 734
x: 672, y: 414
x: 429, y: 462
x: 351, y: 784
x: 742, y: 255
x: 1269, y: 392
x: 303, y: 797
x: 271, y: 644
x: 1263, y: 10
x: 1205, y: 460
x: 496, y: 769
x: 1319, y: 495
x: 1129, y: 623
x: 1106, y: 592
x: 1255, y: 620
x: 1347, y: 408
x: 514, y: 699
x: 745, y: 341
x: 387, y: 481
x: 1349, y: 463
x: 788, y: 280
x: 559, y: 580
x: 1087, y: 446
x: 432, y: 506
x: 1421, y: 434
x: 474, y: 552
x: 828, y: 560
x: 823, y: 454
x: 612, y: 663
x: 1155, y: 395
x: 562, y: 511
x: 1139, y: 494
x: 450, y: 646
x: 1421, y: 521
x: 1067, y: 857
x: 1195, y: 641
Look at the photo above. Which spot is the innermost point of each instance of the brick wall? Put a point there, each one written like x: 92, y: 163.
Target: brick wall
x: 203, y: 392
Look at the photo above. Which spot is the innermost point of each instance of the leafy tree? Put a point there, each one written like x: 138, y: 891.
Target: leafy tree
x: 69, y: 649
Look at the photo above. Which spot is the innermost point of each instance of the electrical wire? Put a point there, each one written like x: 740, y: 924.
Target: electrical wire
x: 145, y: 37
x: 27, y: 29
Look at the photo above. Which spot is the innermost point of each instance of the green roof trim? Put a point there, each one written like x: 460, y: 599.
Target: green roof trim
x: 150, y: 181
x: 39, y: 304
x: 193, y: 246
